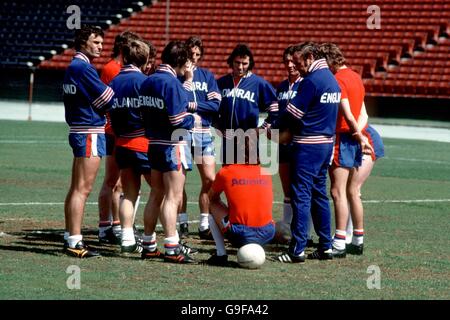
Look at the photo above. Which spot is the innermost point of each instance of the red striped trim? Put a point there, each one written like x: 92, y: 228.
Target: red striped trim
x: 177, y: 119
x: 312, y: 139
x: 88, y: 145
x: 338, y: 236
x: 170, y: 245
x: 188, y: 85
x: 214, y: 95
x: 358, y: 233
x: 130, y: 67
x: 318, y: 64
x: 297, y: 113
x: 166, y: 68
x: 192, y: 106
x: 104, y: 98
x: 134, y: 134
x: 86, y: 129
x: 82, y: 56
x: 167, y: 142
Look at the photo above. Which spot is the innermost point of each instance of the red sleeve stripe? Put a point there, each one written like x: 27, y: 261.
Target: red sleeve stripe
x: 273, y: 107
x: 104, y: 98
x: 214, y: 95
x: 192, y: 106
x: 177, y: 119
x: 294, y: 111
x: 188, y: 85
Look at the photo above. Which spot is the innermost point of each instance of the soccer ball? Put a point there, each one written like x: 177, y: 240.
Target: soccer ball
x: 282, y: 232
x: 251, y: 256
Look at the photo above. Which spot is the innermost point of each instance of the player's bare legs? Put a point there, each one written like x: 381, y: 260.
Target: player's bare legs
x: 358, y: 177
x: 207, y: 169
x: 339, y: 177
x: 173, y: 182
x: 109, y: 196
x: 84, y: 171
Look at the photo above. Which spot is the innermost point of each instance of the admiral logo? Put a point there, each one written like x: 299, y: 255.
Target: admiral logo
x: 287, y: 95
x: 201, y: 86
x: 239, y: 93
x: 248, y: 182
x: 330, y: 97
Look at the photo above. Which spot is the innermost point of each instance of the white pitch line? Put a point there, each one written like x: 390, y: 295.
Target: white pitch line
x: 195, y: 203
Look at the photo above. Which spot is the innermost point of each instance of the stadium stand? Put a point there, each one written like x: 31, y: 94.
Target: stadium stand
x: 33, y: 31
x: 408, y: 56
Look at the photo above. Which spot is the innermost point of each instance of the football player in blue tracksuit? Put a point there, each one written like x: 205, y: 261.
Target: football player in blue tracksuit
x: 244, y: 94
x: 164, y: 103
x: 86, y: 98
x: 130, y: 143
x: 311, y: 117
x: 204, y: 99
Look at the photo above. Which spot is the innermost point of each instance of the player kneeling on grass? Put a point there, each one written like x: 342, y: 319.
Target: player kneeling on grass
x: 248, y: 216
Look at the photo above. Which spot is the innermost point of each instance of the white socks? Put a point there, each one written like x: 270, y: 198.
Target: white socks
x: 73, y: 240
x: 149, y: 242
x: 128, y: 238
x: 217, y: 236
x: 171, y: 243
x: 204, y: 221
x: 339, y: 239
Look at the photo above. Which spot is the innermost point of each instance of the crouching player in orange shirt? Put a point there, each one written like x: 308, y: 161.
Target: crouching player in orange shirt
x: 248, y: 216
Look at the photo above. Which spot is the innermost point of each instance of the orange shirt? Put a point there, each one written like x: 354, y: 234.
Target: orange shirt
x: 110, y: 70
x: 139, y: 144
x: 248, y: 192
x: 352, y: 88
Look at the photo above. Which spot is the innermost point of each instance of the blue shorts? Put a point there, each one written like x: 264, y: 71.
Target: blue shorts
x: 202, y: 144
x: 347, y: 151
x: 375, y: 141
x: 240, y: 235
x: 86, y: 145
x: 136, y: 160
x: 166, y: 157
x: 110, y: 144
x: 285, y: 153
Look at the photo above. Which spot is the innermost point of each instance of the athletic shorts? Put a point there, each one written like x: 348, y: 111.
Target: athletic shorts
x: 239, y: 235
x: 375, y: 141
x: 165, y: 157
x: 202, y: 144
x: 347, y: 151
x: 127, y: 158
x: 110, y: 144
x: 285, y: 153
x: 86, y: 145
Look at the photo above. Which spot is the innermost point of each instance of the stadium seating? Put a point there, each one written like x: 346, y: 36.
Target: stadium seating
x: 408, y: 56
x: 33, y: 31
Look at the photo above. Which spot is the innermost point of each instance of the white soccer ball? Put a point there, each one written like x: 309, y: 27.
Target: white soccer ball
x: 282, y: 232
x: 251, y: 256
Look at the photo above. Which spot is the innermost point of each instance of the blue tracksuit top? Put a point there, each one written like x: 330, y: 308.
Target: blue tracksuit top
x: 125, y: 115
x: 286, y: 92
x: 242, y: 103
x: 86, y: 97
x: 204, y: 95
x: 163, y: 103
x: 311, y: 114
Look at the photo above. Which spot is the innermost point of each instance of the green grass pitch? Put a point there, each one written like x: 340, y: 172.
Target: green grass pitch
x: 407, y: 211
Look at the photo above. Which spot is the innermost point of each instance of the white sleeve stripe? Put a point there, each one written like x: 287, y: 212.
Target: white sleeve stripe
x: 294, y: 111
x: 104, y: 98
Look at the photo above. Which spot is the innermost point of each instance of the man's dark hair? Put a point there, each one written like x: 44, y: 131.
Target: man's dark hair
x: 175, y: 54
x: 82, y: 35
x: 289, y: 51
x: 308, y: 48
x: 122, y: 40
x: 193, y: 42
x: 241, y: 50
